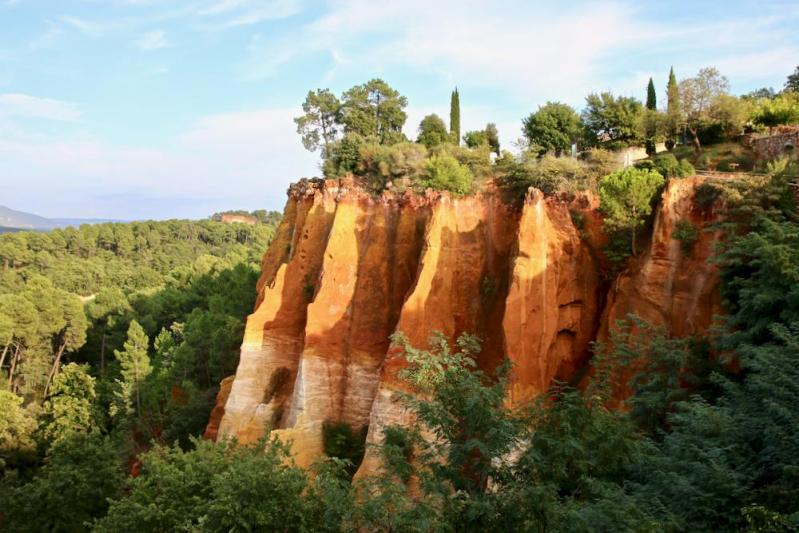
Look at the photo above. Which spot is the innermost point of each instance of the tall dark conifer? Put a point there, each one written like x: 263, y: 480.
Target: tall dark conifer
x: 651, y: 118
x: 651, y: 96
x: 672, y: 110
x: 455, y: 117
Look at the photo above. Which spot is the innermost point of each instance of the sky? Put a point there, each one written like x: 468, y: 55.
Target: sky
x: 136, y: 109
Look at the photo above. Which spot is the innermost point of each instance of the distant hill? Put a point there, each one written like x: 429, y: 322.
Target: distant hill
x: 12, y: 220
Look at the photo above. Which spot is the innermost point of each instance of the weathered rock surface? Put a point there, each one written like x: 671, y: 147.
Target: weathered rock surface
x: 667, y: 286
x: 347, y: 269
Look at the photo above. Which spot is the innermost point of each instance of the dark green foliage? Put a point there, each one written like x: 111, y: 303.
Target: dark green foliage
x: 651, y: 114
x: 455, y: 117
x: 626, y: 199
x: 687, y: 234
x: 320, y: 124
x: 492, y: 136
x: 668, y: 166
x: 673, y: 110
x: 341, y: 441
x: 706, y: 195
x: 651, y: 96
x: 553, y: 128
x: 475, y: 138
x: 611, y: 121
x: 444, y: 172
x: 432, y: 131
x: 548, y: 174
x: 344, y: 156
x: 214, y: 487
x: 792, y: 83
x: 374, y: 110
x: 71, y: 488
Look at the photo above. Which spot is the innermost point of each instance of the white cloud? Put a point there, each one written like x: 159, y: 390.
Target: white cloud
x: 153, y: 40
x: 241, y: 159
x: 91, y: 28
x: 235, y: 13
x: 24, y: 105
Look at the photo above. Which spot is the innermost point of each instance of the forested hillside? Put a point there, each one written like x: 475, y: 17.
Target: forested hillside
x: 124, y: 327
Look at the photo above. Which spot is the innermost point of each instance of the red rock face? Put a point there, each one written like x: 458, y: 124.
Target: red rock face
x: 347, y: 269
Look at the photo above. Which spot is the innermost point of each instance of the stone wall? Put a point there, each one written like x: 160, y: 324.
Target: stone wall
x: 780, y: 144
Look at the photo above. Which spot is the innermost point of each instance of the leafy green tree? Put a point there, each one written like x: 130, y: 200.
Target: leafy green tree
x: 455, y: 117
x: 673, y: 110
x: 697, y: 95
x: 320, y: 123
x: 470, y: 426
x: 374, y: 110
x: 792, y: 83
x: 344, y: 155
x: 553, y: 128
x: 475, y: 138
x: 626, y: 199
x: 134, y: 368
x: 432, y: 131
x: 17, y: 426
x: 213, y: 487
x: 444, y: 172
x: 783, y: 109
x: 398, y: 164
x: 70, y: 408
x: 611, y: 121
x: 80, y: 473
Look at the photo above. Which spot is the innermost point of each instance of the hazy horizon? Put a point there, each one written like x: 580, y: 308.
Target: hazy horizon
x: 139, y: 109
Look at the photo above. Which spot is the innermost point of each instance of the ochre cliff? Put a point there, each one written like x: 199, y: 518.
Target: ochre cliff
x: 668, y: 286
x: 347, y: 269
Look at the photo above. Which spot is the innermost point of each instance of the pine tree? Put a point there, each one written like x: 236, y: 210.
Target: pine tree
x: 672, y: 110
x: 135, y: 367
x: 455, y: 117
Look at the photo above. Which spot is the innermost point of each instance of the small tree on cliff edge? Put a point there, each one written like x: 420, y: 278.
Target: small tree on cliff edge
x: 626, y: 198
x: 455, y: 117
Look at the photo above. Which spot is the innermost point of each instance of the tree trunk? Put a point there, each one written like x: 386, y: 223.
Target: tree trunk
x: 697, y: 145
x: 54, y: 369
x: 3, y: 357
x: 14, y: 361
x: 102, y: 355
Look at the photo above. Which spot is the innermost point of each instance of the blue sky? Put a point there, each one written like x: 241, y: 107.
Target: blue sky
x: 136, y: 109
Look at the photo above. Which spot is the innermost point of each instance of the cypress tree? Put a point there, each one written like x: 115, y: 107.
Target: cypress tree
x: 455, y: 117
x: 672, y: 110
x: 651, y: 118
x: 651, y: 97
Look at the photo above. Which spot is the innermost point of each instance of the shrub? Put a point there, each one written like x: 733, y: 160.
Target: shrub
x: 341, y: 441
x: 477, y: 159
x: 686, y: 168
x: 706, y: 194
x: 343, y: 156
x: 444, y: 172
x: 381, y: 164
x: 549, y: 174
x: 687, y: 234
x: 667, y: 165
x: 600, y: 163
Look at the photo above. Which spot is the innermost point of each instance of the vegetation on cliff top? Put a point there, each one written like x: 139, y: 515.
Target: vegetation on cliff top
x: 368, y: 119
